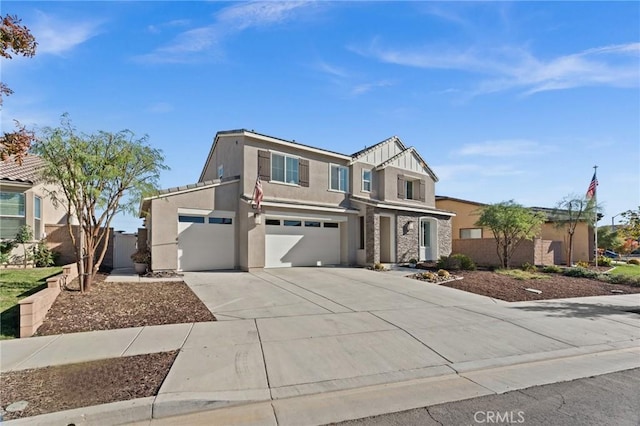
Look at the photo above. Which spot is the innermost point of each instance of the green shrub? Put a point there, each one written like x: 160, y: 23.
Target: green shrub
x: 527, y: 267
x: 552, y: 269
x: 443, y: 273
x: 456, y: 262
x: 43, y: 256
x: 604, y: 261
x: 633, y: 262
x: 582, y: 264
x: 429, y: 276
x: 378, y: 267
x: 413, y: 260
x: 580, y: 273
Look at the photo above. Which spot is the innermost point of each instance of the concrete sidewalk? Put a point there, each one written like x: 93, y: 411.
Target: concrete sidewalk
x: 292, y: 342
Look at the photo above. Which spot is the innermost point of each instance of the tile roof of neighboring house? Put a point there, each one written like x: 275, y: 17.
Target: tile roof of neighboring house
x: 27, y: 172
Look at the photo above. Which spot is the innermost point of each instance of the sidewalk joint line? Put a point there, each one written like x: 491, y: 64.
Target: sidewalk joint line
x: 264, y: 360
x: 58, y: 336
x: 133, y: 340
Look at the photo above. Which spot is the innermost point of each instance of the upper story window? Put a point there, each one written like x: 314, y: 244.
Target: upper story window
x: 469, y: 233
x: 366, y: 180
x: 220, y: 171
x: 408, y: 192
x: 410, y: 188
x: 12, y: 213
x: 284, y: 169
x: 339, y: 178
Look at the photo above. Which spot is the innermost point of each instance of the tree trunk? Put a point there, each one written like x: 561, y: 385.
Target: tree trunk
x: 89, y: 270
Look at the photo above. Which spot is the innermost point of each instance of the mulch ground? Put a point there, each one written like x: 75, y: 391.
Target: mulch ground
x: 51, y: 389
x: 122, y: 305
x: 553, y: 286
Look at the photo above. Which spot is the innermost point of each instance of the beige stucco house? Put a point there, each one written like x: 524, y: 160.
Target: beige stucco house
x: 319, y: 208
x: 556, y: 250
x: 24, y: 200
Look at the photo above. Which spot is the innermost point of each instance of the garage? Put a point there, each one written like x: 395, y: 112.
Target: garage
x: 206, y: 241
x: 301, y: 242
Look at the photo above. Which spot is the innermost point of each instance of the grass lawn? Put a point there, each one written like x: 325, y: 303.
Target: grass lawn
x: 16, y: 284
x: 628, y: 270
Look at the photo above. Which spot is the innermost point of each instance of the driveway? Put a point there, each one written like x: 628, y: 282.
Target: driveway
x: 295, y: 331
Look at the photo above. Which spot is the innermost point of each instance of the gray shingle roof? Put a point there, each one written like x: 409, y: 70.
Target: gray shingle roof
x: 28, y: 172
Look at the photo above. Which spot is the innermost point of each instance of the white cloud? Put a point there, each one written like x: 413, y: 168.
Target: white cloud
x: 57, y: 36
x: 205, y: 41
x: 516, y: 68
x: 160, y: 108
x: 363, y: 88
x: 504, y: 148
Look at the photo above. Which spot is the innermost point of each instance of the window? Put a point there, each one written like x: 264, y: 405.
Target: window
x: 366, y: 180
x: 191, y: 219
x: 408, y: 191
x: 361, y: 247
x: 275, y: 222
x: 470, y: 233
x: 311, y: 224
x: 220, y: 171
x: 339, y: 178
x: 221, y: 220
x: 331, y: 225
x: 292, y: 223
x: 284, y: 169
x: 12, y: 213
x: 37, y: 217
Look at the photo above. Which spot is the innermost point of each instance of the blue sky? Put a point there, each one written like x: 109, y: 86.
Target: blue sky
x: 503, y: 100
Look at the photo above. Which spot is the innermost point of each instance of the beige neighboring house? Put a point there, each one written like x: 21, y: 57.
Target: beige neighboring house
x: 24, y: 200
x: 319, y: 208
x: 555, y: 248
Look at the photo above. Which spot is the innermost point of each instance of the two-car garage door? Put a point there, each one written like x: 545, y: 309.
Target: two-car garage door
x: 301, y: 242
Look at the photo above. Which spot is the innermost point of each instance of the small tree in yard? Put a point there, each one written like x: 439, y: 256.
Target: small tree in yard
x: 510, y: 223
x: 568, y: 213
x: 631, y: 227
x: 94, y: 173
x: 24, y: 235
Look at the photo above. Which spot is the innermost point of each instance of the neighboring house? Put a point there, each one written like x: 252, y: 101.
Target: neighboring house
x: 464, y: 228
x: 24, y: 200
x: 319, y: 208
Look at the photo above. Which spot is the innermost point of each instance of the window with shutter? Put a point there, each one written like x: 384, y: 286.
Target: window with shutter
x: 421, y: 190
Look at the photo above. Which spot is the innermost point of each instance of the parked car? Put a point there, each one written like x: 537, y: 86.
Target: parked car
x: 611, y: 254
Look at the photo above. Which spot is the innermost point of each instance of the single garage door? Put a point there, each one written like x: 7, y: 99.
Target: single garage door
x: 301, y: 242
x: 206, y: 242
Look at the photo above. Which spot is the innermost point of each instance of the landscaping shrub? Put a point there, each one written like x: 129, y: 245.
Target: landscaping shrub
x: 43, y: 256
x: 443, y: 273
x: 604, y: 261
x: 633, y: 262
x: 456, y: 262
x: 582, y: 264
x: 378, y: 267
x: 430, y: 276
x: 552, y: 269
x: 633, y: 281
x: 527, y: 267
x: 579, y: 272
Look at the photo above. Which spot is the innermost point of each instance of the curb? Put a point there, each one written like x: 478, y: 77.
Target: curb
x: 348, y: 404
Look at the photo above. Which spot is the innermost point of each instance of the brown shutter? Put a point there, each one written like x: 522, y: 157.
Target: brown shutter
x: 401, y: 187
x: 303, y: 172
x: 264, y: 165
x: 421, y: 190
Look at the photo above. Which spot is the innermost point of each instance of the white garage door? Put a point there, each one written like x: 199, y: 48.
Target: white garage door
x: 300, y: 242
x: 206, y: 242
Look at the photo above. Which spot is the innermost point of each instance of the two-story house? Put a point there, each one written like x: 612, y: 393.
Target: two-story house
x: 318, y: 208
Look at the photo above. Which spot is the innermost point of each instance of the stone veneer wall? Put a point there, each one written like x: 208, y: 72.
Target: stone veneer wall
x: 372, y: 231
x: 407, y: 240
x: 444, y: 235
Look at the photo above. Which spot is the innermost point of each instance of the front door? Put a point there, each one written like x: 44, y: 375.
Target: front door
x: 425, y: 239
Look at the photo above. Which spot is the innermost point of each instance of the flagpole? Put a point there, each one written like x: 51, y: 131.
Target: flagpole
x: 595, y: 212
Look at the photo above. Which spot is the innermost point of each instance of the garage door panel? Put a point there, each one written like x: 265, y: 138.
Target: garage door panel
x: 205, y: 246
x: 287, y: 246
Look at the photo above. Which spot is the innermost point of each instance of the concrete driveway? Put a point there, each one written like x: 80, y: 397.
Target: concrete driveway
x: 297, y: 331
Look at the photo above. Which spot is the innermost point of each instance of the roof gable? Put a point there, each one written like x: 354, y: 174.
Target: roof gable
x: 27, y: 172
x: 409, y: 159
x: 380, y: 152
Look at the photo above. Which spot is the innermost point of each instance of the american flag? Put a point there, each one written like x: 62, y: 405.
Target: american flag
x: 591, y: 191
x: 258, y: 194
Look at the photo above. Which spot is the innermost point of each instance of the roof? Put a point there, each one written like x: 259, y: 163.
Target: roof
x: 410, y: 150
x: 27, y: 172
x: 460, y: 200
x: 368, y: 149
